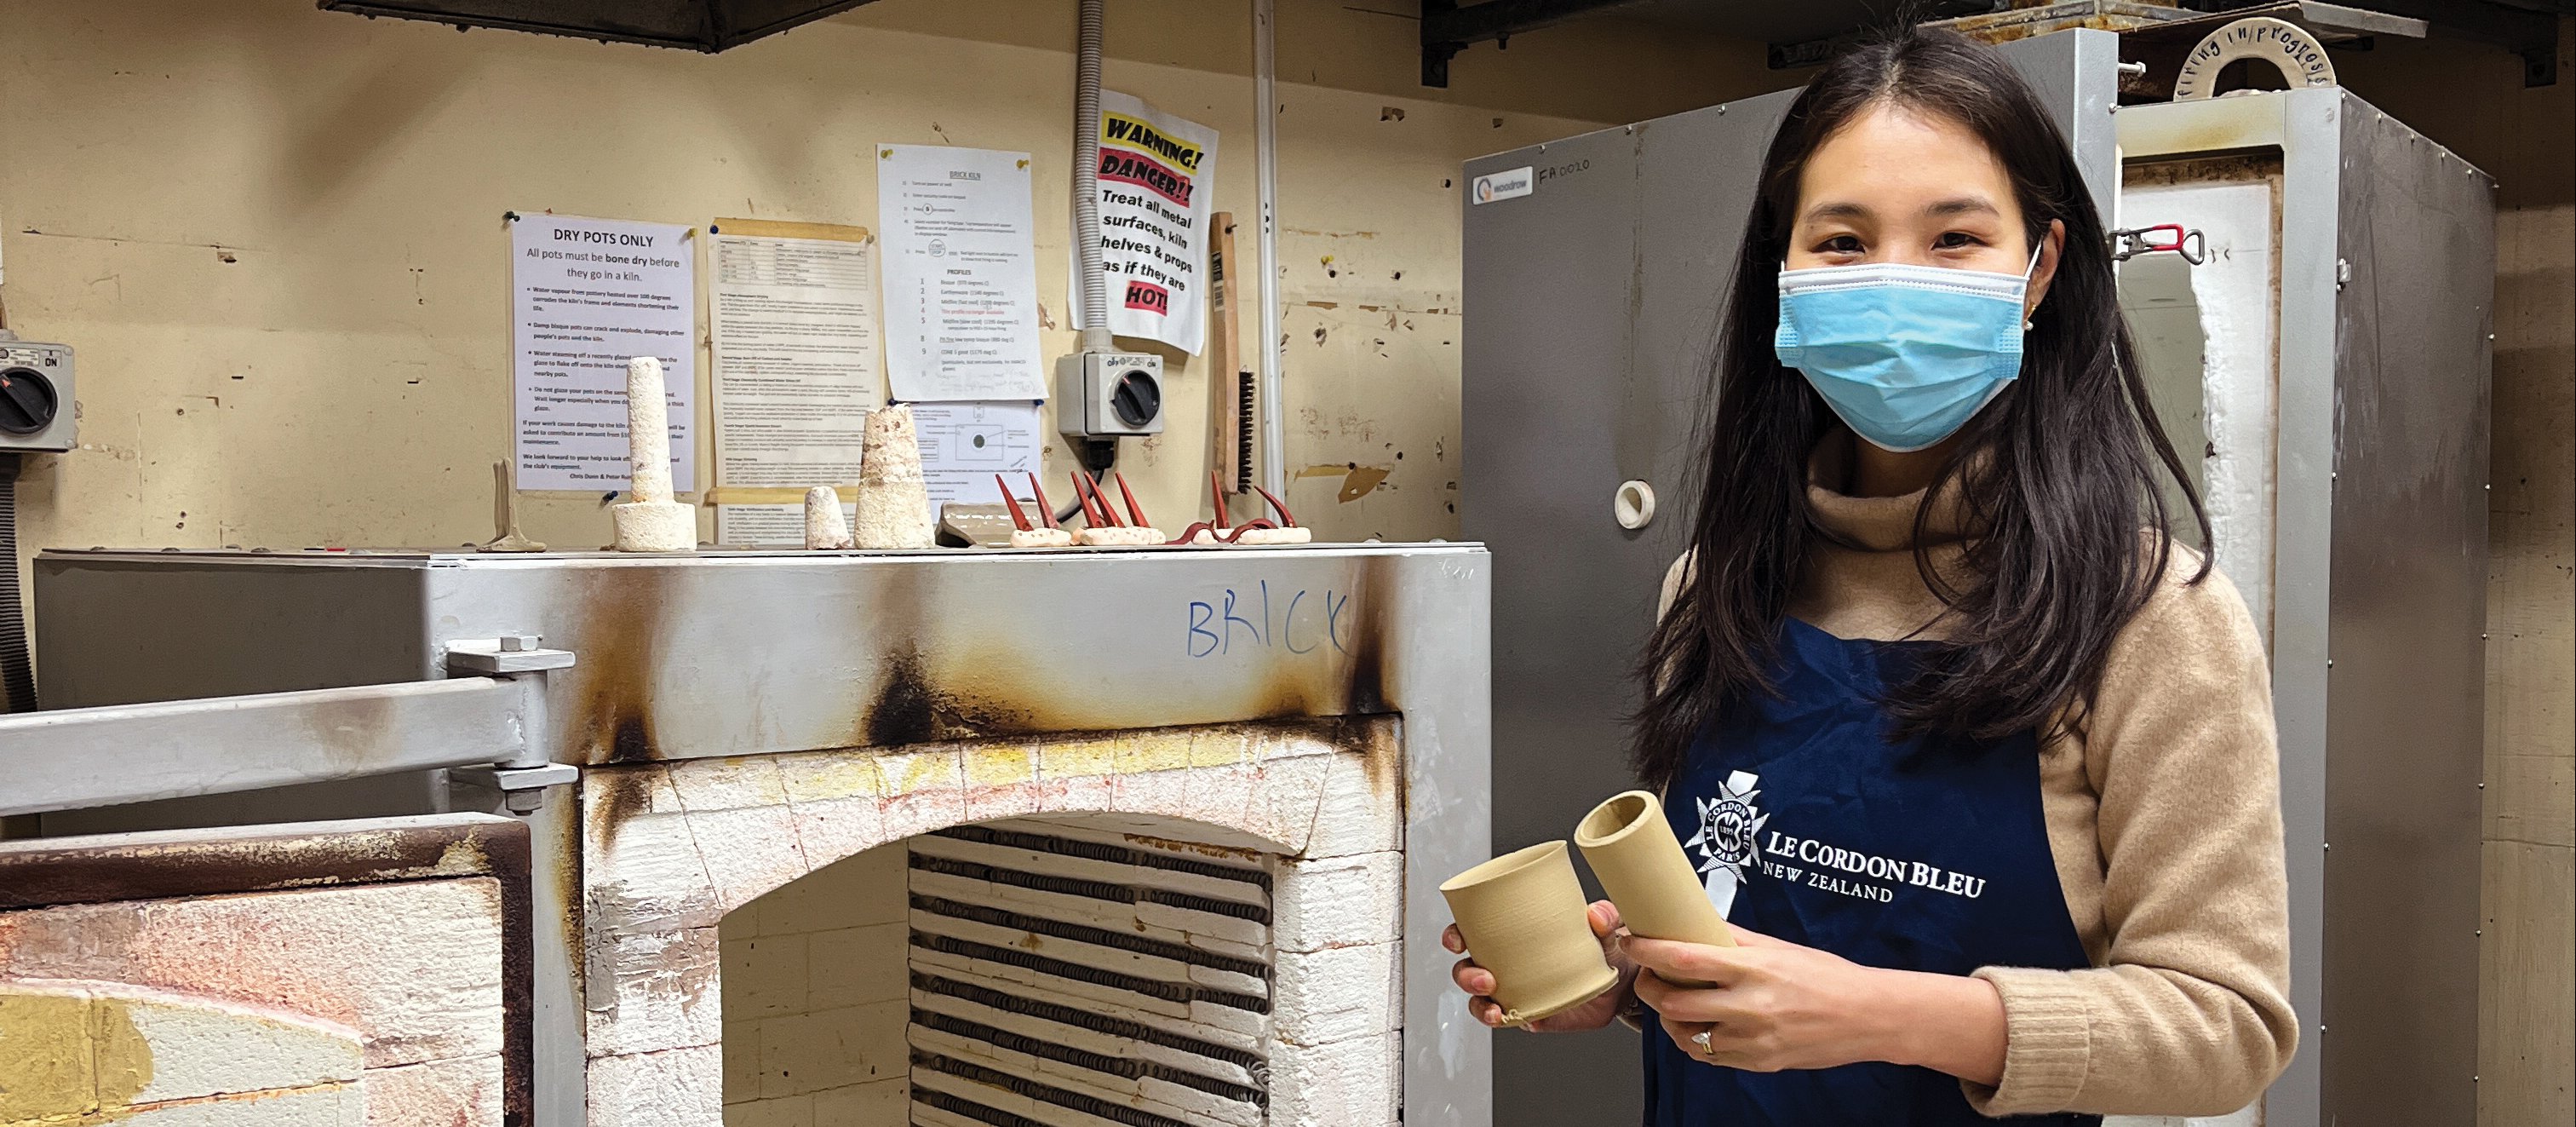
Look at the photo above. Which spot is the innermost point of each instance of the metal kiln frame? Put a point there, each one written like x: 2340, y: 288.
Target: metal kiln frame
x: 729, y: 654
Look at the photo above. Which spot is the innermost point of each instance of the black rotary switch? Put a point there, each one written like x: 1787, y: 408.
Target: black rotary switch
x: 1137, y: 399
x: 27, y: 403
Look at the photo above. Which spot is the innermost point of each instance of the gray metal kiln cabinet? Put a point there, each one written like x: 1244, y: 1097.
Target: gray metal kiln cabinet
x: 736, y: 653
x: 1591, y: 309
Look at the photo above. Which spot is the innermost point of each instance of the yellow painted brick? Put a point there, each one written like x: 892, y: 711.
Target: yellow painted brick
x: 1000, y: 766
x: 829, y: 775
x: 1078, y: 759
x: 1164, y: 749
x: 728, y: 783
x: 1219, y: 747
x: 911, y: 772
x: 45, y: 1055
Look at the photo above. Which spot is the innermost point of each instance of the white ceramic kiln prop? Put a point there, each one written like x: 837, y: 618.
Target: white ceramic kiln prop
x: 652, y: 521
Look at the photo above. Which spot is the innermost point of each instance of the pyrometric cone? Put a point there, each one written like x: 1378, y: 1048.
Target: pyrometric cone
x: 1631, y: 848
x: 1522, y: 915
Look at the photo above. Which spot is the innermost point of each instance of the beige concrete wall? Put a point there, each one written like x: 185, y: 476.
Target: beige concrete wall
x: 2527, y: 1058
x: 814, y: 999
x: 2472, y: 100
x: 275, y: 234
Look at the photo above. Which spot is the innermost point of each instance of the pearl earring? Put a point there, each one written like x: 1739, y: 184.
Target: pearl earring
x: 2026, y: 326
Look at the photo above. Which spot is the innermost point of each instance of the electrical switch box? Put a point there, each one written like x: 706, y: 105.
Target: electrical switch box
x: 1109, y: 394
x: 35, y: 396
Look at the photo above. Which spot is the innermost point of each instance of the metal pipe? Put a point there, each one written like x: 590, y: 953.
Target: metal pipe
x: 1086, y: 176
x: 1265, y: 90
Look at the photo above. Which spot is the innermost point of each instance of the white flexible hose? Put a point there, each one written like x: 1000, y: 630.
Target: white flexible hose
x: 1086, y: 178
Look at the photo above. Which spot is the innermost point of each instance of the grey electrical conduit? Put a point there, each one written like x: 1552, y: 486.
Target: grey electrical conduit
x: 1094, y: 294
x: 1265, y: 91
x: 1086, y: 177
x: 1086, y: 212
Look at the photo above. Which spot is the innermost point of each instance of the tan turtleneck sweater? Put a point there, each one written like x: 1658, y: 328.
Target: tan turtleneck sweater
x: 2164, y: 817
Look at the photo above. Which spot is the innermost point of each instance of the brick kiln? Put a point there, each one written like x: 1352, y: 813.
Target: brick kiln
x: 998, y: 840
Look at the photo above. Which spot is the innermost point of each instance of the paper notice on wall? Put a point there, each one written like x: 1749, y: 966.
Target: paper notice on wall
x: 964, y: 444
x: 961, y: 291
x: 768, y: 526
x: 587, y: 295
x: 795, y: 351
x: 1157, y: 174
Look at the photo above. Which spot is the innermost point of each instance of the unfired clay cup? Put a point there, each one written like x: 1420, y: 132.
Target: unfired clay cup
x: 1632, y: 849
x: 1523, y: 916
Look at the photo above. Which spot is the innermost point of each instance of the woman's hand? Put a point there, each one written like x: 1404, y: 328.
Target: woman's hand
x: 1772, y: 1005
x: 1476, y: 980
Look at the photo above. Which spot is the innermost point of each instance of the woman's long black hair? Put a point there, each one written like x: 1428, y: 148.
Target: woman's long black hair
x: 2061, y: 473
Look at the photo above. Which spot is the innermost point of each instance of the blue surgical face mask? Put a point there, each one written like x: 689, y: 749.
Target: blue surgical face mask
x: 1905, y: 354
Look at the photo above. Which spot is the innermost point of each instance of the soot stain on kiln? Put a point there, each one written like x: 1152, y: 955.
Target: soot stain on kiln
x: 913, y: 707
x: 1297, y: 689
x: 621, y: 609
x: 906, y: 710
x: 926, y: 696
x: 1368, y: 646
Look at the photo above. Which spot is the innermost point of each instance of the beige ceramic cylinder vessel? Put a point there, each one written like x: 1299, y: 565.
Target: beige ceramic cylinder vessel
x: 1660, y: 896
x: 1522, y: 915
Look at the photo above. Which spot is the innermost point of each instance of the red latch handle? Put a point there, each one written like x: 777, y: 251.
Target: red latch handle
x: 2131, y: 242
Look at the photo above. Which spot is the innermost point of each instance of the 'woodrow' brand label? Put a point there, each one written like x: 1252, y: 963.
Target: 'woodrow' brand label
x: 1504, y: 185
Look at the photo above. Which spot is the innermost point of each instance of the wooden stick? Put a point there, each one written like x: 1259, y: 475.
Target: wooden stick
x: 1224, y: 361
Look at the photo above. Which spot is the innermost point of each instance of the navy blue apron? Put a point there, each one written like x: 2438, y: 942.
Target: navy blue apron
x: 1921, y: 855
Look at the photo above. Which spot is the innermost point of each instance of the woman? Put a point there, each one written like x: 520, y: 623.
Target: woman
x: 1978, y: 763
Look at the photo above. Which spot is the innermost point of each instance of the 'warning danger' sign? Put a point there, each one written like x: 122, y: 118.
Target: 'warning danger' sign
x: 1154, y: 174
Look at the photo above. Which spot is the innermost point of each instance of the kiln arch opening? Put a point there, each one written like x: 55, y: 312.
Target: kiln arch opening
x: 1076, y: 968
x: 1193, y: 926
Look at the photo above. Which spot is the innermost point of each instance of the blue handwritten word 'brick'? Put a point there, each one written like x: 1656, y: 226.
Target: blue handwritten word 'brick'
x: 1261, y: 618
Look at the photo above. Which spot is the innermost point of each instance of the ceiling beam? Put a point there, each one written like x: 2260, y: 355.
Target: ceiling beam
x: 1448, y: 28
x: 694, y: 25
